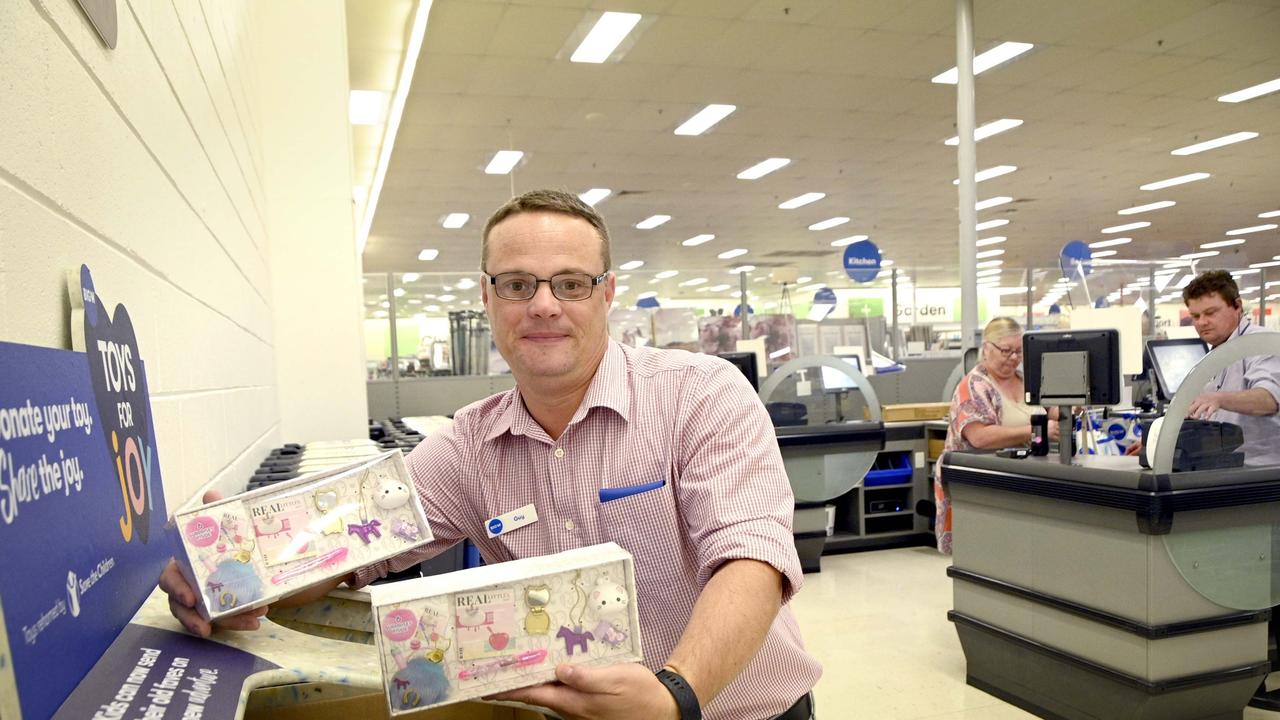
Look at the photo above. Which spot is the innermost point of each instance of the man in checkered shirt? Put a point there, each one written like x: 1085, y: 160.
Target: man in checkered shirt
x: 696, y: 488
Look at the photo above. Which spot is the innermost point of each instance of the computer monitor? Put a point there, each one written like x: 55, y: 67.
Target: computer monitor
x: 835, y: 381
x: 1071, y: 367
x: 1172, y: 360
x: 746, y: 362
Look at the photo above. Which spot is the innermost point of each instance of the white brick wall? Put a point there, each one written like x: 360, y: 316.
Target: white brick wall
x: 147, y: 163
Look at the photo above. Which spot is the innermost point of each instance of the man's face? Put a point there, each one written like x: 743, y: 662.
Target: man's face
x: 545, y: 337
x: 1214, y: 319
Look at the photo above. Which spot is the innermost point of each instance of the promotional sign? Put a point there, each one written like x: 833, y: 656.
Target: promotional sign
x: 862, y: 261
x: 81, y: 506
x: 1075, y: 254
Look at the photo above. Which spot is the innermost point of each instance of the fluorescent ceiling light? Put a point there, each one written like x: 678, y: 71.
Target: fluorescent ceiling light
x: 1250, y: 93
x: 981, y: 63
x: 730, y: 254
x: 667, y: 274
x: 367, y: 107
x: 1110, y: 243
x: 990, y: 253
x: 1198, y: 255
x: 989, y: 273
x: 994, y: 240
x: 1273, y: 263
x: 693, y: 281
x: 631, y: 265
x: 704, y: 119
x: 829, y: 223
x: 743, y: 268
x: 986, y: 131
x: 990, y: 263
x: 803, y: 279
x: 991, y: 172
x: 1273, y: 213
x: 716, y: 288
x: 410, y: 277
x: 1162, y: 184
x: 503, y: 161
x: 1011, y: 290
x: 851, y: 240
x: 453, y: 221
x: 698, y: 240
x: 447, y: 298
x: 398, y: 292
x: 992, y: 202
x: 992, y: 224
x: 428, y: 254
x: 1214, y: 143
x: 813, y: 288
x: 1221, y: 244
x: 651, y: 293
x: 466, y: 284
x: 1102, y: 253
x: 1125, y: 228
x: 1146, y: 208
x: 883, y: 262
x: 763, y: 168
x: 608, y: 32
x: 414, y: 301
x: 802, y: 200
x: 595, y: 195
x: 1254, y: 229
x: 652, y: 222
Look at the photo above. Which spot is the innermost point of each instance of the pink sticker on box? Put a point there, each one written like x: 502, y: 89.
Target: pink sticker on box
x: 399, y: 625
x: 201, y: 531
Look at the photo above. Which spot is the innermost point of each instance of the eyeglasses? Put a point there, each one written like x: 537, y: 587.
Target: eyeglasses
x: 1006, y: 353
x: 564, y: 286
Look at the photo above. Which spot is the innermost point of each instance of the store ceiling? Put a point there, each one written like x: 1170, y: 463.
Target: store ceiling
x: 842, y: 87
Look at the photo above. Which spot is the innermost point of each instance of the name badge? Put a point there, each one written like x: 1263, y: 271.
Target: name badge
x: 513, y: 520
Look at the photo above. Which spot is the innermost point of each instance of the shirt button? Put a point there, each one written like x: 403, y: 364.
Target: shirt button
x: 559, y: 452
x: 568, y: 524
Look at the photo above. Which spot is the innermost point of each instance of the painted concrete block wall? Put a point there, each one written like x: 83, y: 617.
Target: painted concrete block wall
x: 146, y: 162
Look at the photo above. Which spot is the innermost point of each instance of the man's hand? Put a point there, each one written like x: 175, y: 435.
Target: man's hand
x: 1205, y: 405
x: 618, y: 692
x: 1134, y: 449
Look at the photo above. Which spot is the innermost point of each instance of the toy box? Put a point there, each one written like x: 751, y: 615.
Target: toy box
x: 471, y: 633
x: 254, y: 548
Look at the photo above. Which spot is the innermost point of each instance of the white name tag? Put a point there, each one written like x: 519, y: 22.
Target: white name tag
x: 513, y: 520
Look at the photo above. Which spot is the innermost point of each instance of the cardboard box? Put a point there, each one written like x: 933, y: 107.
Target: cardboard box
x: 254, y: 548
x: 472, y: 633
x: 936, y: 447
x: 909, y: 412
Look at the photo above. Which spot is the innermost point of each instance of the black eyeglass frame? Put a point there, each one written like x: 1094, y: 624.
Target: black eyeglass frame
x: 1006, y: 354
x: 594, y: 281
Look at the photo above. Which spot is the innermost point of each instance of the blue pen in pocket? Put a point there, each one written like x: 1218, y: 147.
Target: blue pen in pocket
x: 610, y: 494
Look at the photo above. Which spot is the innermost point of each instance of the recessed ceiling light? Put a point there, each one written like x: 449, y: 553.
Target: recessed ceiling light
x: 631, y: 265
x: 1250, y: 93
x: 652, y: 222
x: 993, y: 240
x: 1146, y: 208
x: 990, y: 253
x: 1221, y: 244
x: 704, y: 119
x: 849, y: 241
x: 428, y: 254
x: 1102, y: 253
x: 1162, y: 184
x: 1124, y: 228
x: 503, y: 161
x: 667, y: 274
x: 410, y: 277
x: 990, y: 263
x: 604, y: 37
x: 1254, y: 229
x: 762, y: 168
x: 466, y: 283
x: 992, y: 202
x: 829, y: 223
x: 742, y: 269
x: 693, y: 281
x: 453, y: 221
x: 991, y: 172
x: 1273, y: 213
x: 802, y: 200
x: 992, y: 224
x: 1214, y: 143
x: 730, y: 254
x: 1110, y: 243
x: 367, y: 107
x: 716, y: 288
x: 1003, y: 52
x: 986, y: 131
x: 698, y: 240
x: 594, y: 195
x: 1198, y: 255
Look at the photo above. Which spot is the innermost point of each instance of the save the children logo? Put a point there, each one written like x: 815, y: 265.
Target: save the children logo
x: 120, y: 388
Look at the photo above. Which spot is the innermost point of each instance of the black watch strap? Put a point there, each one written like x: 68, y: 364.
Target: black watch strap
x: 686, y: 699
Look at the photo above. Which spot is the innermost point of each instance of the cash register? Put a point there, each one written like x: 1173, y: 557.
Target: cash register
x: 1201, y: 444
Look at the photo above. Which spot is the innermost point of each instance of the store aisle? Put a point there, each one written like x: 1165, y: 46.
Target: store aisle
x: 878, y: 622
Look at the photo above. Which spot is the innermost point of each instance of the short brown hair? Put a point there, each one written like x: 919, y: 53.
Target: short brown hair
x: 557, y: 201
x: 1214, y: 281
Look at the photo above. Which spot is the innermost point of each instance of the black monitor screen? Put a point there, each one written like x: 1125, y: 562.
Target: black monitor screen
x: 1172, y: 360
x: 834, y: 380
x: 1102, y: 348
x: 746, y: 362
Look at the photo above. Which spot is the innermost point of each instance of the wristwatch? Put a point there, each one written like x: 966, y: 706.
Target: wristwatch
x: 686, y: 699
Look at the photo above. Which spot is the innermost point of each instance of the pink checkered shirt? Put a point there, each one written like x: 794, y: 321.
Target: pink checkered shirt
x: 690, y: 420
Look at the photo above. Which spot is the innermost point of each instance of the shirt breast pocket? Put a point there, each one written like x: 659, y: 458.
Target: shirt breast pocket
x: 641, y: 516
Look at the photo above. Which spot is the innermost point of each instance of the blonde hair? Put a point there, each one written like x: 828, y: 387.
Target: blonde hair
x: 1000, y: 327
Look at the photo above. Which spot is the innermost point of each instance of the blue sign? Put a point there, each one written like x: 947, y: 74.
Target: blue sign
x: 647, y: 303
x: 737, y: 310
x: 862, y: 261
x: 81, y: 511
x: 825, y: 296
x: 1075, y: 254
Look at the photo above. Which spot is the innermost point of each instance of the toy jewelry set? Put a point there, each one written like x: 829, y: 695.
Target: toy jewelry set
x: 251, y: 549
x: 467, y: 634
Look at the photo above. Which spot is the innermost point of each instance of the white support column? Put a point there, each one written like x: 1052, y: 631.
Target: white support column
x: 968, y: 163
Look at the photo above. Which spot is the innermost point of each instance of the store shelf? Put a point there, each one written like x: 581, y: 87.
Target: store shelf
x: 898, y: 486
x: 888, y: 514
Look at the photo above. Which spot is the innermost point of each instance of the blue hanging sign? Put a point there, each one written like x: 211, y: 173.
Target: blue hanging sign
x: 825, y: 296
x: 1073, y: 254
x: 647, y: 303
x: 737, y: 310
x: 862, y: 261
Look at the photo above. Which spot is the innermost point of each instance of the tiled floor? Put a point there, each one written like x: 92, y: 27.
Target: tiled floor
x: 878, y: 622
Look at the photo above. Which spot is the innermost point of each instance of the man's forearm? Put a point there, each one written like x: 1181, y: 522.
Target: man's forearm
x: 1249, y: 402
x: 730, y: 619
